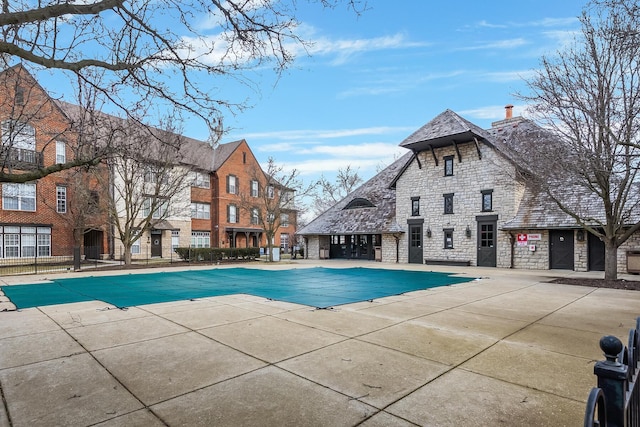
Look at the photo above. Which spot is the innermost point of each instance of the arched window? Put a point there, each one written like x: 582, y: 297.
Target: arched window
x: 359, y: 203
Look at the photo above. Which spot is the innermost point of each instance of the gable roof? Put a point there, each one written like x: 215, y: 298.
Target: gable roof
x: 224, y: 151
x: 21, y: 75
x: 379, y: 218
x: 444, y: 129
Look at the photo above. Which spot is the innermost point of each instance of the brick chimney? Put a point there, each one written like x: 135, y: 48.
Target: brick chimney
x: 508, y: 109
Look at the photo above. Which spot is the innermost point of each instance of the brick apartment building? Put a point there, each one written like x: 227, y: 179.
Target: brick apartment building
x: 37, y: 216
x: 48, y: 216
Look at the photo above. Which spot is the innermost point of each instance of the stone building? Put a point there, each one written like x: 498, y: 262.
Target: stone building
x: 455, y: 199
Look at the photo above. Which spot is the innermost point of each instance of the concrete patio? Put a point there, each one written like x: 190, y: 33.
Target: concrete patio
x: 507, y: 349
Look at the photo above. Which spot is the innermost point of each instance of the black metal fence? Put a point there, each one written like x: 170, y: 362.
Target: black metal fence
x: 71, y: 259
x: 77, y: 259
x: 616, y: 400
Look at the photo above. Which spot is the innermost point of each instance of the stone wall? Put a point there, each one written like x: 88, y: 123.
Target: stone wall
x: 470, y: 177
x: 525, y: 258
x: 388, y: 248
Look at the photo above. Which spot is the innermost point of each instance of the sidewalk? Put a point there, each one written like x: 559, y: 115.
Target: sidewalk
x: 508, y: 349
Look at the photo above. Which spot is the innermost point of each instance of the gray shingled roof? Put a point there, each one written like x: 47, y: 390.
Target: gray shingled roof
x: 199, y: 154
x: 193, y: 151
x: 538, y: 211
x: 369, y: 220
x: 442, y: 130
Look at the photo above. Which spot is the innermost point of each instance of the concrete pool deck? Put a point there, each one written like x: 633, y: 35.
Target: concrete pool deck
x: 508, y: 349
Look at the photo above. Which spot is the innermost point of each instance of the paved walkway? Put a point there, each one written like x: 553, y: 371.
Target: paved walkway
x: 508, y: 349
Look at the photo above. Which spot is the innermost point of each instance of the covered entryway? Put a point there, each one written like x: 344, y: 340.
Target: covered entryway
x: 486, y: 242
x: 595, y: 253
x: 561, y: 249
x: 415, y: 243
x: 92, y: 243
x: 156, y: 243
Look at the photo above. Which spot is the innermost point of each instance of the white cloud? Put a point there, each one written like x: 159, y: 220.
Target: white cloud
x: 544, y: 22
x: 500, y: 44
x: 510, y: 76
x: 304, y: 135
x: 315, y: 167
x: 367, y: 150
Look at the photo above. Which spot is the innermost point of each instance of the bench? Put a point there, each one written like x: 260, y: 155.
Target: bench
x: 452, y: 262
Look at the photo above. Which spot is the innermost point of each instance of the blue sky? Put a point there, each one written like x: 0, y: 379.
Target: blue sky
x: 371, y: 80
x: 374, y: 79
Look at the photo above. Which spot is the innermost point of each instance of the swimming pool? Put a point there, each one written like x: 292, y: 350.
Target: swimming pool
x: 317, y: 287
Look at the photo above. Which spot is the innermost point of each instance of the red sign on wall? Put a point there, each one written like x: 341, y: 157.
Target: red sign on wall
x: 522, y: 239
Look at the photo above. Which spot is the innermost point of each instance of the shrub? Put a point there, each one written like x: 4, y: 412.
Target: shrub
x: 216, y: 254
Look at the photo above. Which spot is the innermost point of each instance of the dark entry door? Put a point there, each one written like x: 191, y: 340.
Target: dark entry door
x: 561, y: 251
x: 596, y: 253
x: 93, y: 244
x: 415, y: 244
x: 487, y: 243
x: 156, y: 243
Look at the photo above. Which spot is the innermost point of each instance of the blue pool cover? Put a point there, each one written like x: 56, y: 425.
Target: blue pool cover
x: 317, y: 287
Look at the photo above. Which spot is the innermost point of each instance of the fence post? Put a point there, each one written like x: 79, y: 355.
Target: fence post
x: 612, y: 380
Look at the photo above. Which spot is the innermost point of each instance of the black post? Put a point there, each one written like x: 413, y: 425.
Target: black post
x: 612, y: 380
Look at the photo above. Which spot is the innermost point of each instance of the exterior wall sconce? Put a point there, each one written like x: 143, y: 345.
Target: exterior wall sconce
x: 580, y: 235
x: 429, y: 232
x: 467, y: 232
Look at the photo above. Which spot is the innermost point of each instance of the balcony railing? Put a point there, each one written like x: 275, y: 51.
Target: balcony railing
x: 21, y: 159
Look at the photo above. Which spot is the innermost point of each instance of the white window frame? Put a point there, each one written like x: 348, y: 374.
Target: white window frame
x: 284, y: 241
x: 135, y: 247
x: 255, y: 216
x: 21, y: 193
x: 16, y: 134
x: 43, y: 243
x: 11, y: 243
x: 175, y: 239
x: 271, y: 191
x: 161, y: 210
x: 61, y: 152
x: 255, y: 188
x: 200, y: 239
x: 61, y: 199
x: 232, y: 184
x: 284, y: 220
x: 201, y: 180
x: 25, y: 241
x: 233, y: 214
x: 200, y: 210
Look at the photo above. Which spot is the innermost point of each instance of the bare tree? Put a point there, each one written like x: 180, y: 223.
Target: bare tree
x: 588, y: 97
x: 274, y: 202
x: 327, y: 193
x: 147, y: 182
x: 80, y: 205
x: 164, y: 54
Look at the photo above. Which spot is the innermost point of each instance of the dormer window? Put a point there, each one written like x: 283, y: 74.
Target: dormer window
x: 359, y: 203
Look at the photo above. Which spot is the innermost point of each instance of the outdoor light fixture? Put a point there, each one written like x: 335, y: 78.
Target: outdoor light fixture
x: 429, y: 232
x: 580, y: 236
x: 468, y: 231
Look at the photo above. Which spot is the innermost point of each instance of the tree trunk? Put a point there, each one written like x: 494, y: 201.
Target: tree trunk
x: 127, y: 255
x: 610, y: 260
x: 270, y: 246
